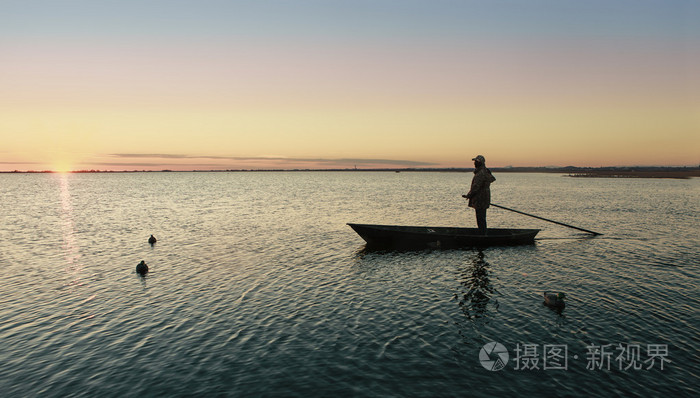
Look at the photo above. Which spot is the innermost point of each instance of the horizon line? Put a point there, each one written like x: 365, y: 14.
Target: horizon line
x: 417, y: 169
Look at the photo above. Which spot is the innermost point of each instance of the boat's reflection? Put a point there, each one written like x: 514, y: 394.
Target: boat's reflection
x: 380, y: 249
x: 475, y: 292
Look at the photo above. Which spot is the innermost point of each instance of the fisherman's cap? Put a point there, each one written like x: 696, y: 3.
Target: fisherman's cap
x: 479, y: 158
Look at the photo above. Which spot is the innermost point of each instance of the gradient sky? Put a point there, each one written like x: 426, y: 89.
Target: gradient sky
x: 214, y: 84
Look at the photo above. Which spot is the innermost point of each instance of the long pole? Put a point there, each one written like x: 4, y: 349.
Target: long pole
x: 546, y: 219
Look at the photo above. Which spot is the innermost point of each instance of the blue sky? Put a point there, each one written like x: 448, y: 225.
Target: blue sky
x: 353, y: 20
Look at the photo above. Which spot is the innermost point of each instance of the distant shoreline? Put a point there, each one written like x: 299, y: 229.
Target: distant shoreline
x: 676, y: 174
x: 570, y: 171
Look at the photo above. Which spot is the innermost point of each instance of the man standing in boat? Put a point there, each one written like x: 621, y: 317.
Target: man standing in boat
x: 480, y: 193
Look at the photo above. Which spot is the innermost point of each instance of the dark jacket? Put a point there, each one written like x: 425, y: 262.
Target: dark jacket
x: 480, y: 194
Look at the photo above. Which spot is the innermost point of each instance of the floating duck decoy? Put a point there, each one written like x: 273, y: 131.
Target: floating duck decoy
x: 152, y: 239
x: 555, y: 300
x: 142, y: 268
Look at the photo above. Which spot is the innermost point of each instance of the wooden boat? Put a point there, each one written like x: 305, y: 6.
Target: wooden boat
x: 416, y: 237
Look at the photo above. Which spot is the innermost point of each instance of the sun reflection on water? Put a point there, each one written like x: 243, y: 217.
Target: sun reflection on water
x: 70, y: 247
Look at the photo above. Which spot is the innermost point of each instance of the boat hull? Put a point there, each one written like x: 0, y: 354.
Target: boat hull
x: 419, y: 236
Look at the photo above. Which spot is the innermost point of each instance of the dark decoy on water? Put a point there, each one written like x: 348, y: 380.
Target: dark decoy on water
x: 152, y: 239
x: 142, y: 268
x: 555, y: 300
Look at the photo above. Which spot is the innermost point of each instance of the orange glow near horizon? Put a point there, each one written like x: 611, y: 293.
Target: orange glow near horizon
x: 321, y: 137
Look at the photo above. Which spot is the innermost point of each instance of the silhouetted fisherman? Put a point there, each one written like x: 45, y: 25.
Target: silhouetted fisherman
x: 152, y: 240
x: 480, y: 193
x: 142, y: 268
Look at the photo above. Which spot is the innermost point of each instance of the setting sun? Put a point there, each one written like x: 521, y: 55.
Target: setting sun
x: 62, y: 167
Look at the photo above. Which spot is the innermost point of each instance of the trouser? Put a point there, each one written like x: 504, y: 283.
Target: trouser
x: 481, y: 220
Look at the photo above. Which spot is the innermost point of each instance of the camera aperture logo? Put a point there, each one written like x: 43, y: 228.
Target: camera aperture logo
x: 493, y: 356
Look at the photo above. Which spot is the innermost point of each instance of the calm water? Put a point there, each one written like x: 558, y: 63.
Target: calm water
x: 258, y: 288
